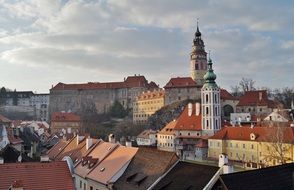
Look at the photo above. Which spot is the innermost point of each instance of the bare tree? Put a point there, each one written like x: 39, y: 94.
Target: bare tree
x: 235, y: 90
x: 247, y: 84
x: 278, y: 145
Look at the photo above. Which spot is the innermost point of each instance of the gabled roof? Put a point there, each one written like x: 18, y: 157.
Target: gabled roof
x: 225, y: 95
x: 112, y: 164
x: 130, y: 82
x: 100, y: 151
x: 184, y: 121
x: 64, y: 117
x: 276, y: 177
x: 36, y: 175
x: 187, y: 176
x: 56, y: 149
x: 145, y: 134
x: 181, y: 82
x: 256, y: 98
x: 146, y: 167
x: 262, y: 134
x: 4, y: 119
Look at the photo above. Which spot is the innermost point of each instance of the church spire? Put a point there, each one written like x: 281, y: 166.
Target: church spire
x: 198, y: 33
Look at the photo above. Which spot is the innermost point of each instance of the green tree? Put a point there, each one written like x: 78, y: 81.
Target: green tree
x: 117, y: 110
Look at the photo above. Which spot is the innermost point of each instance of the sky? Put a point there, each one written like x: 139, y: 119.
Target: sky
x: 43, y: 42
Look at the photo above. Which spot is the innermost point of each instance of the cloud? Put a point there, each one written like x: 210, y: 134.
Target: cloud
x: 113, y: 39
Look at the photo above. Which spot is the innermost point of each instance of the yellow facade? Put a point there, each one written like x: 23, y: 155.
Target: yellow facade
x: 261, y: 153
x: 147, y: 104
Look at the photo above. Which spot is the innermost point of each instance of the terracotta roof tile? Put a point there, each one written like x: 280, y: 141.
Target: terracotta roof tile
x: 256, y: 98
x: 145, y: 134
x: 64, y: 117
x: 181, y: 82
x: 36, y: 175
x: 4, y: 119
x: 225, y: 95
x: 106, y: 170
x: 56, y: 149
x: 148, y: 162
x: 130, y: 82
x: 262, y: 133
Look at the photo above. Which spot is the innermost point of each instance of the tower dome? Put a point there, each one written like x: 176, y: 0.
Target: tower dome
x: 209, y: 76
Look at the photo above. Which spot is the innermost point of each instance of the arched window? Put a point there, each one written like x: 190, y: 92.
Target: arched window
x: 215, y: 111
x: 216, y: 124
x: 206, y: 98
x: 207, y: 124
x: 207, y: 111
x: 215, y: 98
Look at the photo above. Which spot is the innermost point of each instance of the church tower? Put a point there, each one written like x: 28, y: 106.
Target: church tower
x: 210, y: 103
x: 198, y: 59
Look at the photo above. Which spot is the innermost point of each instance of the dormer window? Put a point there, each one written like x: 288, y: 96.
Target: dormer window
x: 252, y: 136
x: 102, y: 169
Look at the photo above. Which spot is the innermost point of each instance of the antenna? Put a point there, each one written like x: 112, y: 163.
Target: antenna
x: 197, y: 21
x: 209, y: 51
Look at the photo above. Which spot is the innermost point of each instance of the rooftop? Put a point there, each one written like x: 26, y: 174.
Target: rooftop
x: 262, y: 134
x: 181, y: 82
x: 146, y: 167
x: 64, y: 117
x: 276, y: 177
x: 36, y: 175
x: 256, y: 98
x: 187, y: 176
x: 129, y: 82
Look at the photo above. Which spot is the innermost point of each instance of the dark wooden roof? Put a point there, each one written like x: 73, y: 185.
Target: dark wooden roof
x: 276, y: 177
x: 187, y: 176
x: 146, y: 167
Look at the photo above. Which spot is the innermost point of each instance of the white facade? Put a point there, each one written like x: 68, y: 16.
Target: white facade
x: 238, y: 118
x: 211, y: 110
x: 275, y: 116
x: 41, y: 104
x: 166, y: 142
x: 3, y: 137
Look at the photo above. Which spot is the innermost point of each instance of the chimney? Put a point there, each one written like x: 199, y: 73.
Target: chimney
x: 69, y: 130
x: 89, y: 143
x: 111, y: 138
x: 228, y: 169
x: 1, y: 160
x: 78, y: 139
x: 128, y: 143
x: 190, y: 109
x: 260, y: 96
x: 222, y: 160
x: 44, y: 158
x: 197, y: 108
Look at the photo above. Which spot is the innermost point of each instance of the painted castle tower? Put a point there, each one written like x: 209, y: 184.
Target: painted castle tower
x: 210, y: 103
x: 198, y: 59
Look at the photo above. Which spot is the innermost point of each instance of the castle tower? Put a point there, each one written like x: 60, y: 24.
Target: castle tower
x: 198, y: 59
x: 210, y: 103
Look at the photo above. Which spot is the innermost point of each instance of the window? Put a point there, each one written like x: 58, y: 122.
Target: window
x: 206, y: 98
x: 91, y: 188
x: 252, y: 146
x: 218, y: 144
x: 81, y: 184
x: 236, y: 145
x: 85, y: 186
x: 260, y: 109
x: 207, y: 111
x: 244, y: 146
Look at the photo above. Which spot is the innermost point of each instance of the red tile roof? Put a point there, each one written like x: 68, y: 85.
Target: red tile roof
x: 56, y: 149
x: 256, y: 98
x: 64, y: 117
x: 36, y: 176
x: 151, y: 95
x: 225, y: 95
x: 181, y: 82
x: 186, y: 122
x: 130, y: 82
x: 4, y: 119
x: 262, y: 133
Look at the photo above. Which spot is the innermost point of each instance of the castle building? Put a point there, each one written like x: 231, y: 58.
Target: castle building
x: 101, y: 96
x: 198, y: 59
x: 210, y: 102
x: 147, y: 104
